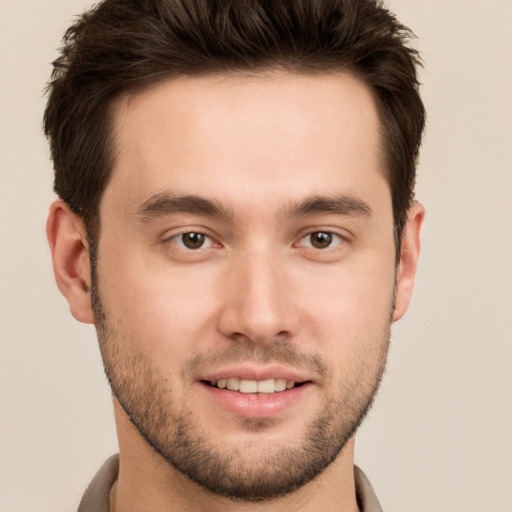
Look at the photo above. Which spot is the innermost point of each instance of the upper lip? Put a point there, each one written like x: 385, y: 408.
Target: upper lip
x: 258, y: 373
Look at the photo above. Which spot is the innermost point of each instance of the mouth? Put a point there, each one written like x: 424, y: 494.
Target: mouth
x: 250, y: 391
x: 246, y: 386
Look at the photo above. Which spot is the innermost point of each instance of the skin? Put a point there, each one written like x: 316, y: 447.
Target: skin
x: 258, y: 297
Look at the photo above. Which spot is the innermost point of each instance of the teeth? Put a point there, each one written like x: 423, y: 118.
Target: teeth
x: 248, y: 386
x: 280, y: 384
x: 266, y: 386
x: 233, y: 384
x: 254, y: 386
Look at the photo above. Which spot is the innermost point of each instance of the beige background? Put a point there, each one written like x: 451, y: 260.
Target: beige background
x: 440, y: 436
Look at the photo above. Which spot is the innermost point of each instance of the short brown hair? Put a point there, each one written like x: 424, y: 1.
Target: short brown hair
x: 125, y: 45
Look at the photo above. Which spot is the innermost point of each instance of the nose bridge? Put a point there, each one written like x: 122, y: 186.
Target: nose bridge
x: 259, y: 305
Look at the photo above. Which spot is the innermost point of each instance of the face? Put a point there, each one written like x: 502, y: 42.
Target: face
x: 246, y: 274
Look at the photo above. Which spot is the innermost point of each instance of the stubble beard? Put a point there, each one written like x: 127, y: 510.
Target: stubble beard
x: 179, y: 439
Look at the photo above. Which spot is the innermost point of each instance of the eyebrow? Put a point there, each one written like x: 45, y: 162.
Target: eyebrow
x: 341, y: 204
x: 166, y: 203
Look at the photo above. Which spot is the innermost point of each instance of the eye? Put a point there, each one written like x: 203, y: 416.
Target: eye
x: 192, y: 240
x: 321, y: 240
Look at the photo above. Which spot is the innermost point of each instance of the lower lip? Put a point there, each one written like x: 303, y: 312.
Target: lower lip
x: 256, y: 405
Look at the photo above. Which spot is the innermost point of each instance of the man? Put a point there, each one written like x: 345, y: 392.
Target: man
x: 237, y: 218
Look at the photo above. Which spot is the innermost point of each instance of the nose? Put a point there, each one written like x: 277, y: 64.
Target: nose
x: 258, y: 301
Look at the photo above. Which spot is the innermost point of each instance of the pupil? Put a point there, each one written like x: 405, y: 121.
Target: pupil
x: 321, y: 240
x: 193, y: 240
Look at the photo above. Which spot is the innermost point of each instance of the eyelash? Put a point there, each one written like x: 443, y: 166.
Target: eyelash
x: 179, y: 237
x: 332, y: 239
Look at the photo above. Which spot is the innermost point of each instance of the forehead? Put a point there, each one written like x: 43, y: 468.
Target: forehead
x: 245, y: 134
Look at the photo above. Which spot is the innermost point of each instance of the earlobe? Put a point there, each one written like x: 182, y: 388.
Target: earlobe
x: 409, y: 255
x: 70, y: 257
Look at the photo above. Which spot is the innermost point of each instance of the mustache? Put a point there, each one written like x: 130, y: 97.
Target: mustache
x: 279, y: 351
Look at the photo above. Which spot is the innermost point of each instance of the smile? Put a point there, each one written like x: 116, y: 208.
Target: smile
x: 247, y: 386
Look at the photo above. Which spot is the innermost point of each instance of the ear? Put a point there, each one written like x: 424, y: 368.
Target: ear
x: 409, y: 254
x: 70, y: 257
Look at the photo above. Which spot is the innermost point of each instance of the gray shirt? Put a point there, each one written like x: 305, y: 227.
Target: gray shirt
x: 97, y: 495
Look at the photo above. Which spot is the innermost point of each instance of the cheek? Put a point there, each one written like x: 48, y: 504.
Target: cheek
x: 161, y: 311
x: 353, y: 322
x: 352, y: 306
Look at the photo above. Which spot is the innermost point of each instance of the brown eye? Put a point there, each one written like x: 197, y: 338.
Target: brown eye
x: 192, y: 240
x: 321, y: 240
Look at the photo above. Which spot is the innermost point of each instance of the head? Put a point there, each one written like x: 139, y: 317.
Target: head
x: 124, y: 46
x: 241, y: 176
